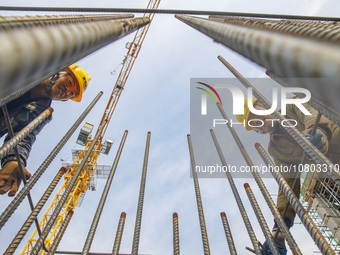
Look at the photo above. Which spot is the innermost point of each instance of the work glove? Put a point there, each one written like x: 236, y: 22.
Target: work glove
x: 10, y: 178
x: 280, y: 246
x: 319, y: 140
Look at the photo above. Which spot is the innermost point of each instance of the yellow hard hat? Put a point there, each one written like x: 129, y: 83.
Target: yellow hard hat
x: 83, y: 79
x: 244, y: 117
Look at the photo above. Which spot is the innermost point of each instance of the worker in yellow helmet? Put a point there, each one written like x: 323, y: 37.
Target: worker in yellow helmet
x: 286, y: 152
x: 69, y: 83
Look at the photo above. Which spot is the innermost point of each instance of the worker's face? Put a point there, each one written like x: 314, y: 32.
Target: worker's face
x: 264, y: 124
x: 64, y: 88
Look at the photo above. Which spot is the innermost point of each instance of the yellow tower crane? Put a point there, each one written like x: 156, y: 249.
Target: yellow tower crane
x: 83, y: 181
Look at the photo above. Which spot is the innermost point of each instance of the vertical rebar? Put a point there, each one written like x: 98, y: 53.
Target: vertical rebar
x: 293, y: 57
x: 119, y: 234
x: 315, y: 30
x: 35, y: 177
x: 285, y: 55
x: 311, y: 227
x: 261, y: 220
x: 237, y: 197
x: 290, y: 240
x: 175, y: 233
x: 198, y: 200
x: 102, y: 201
x: 61, y: 232
x: 29, y: 56
x: 305, y: 144
x: 32, y: 217
x: 11, y: 22
x: 62, y: 201
x: 228, y: 234
x: 136, y: 234
x: 17, y: 138
x: 315, y: 101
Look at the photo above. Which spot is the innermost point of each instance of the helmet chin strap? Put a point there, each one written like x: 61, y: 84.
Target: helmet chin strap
x: 51, y: 83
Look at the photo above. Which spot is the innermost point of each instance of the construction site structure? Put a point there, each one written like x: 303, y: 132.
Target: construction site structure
x: 275, y: 45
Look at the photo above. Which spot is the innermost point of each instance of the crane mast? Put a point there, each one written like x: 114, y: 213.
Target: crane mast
x: 89, y: 169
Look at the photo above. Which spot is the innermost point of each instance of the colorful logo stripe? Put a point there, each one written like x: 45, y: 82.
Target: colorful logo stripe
x: 212, y: 89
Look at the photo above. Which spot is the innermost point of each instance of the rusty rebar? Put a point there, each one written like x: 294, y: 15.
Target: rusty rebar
x: 102, y: 201
x: 62, y: 201
x: 33, y: 215
x: 61, y: 232
x: 290, y: 240
x: 175, y: 231
x: 17, y: 138
x: 239, y: 202
x: 261, y: 220
x: 204, y: 233
x: 35, y: 177
x: 228, y: 234
x: 303, y: 142
x: 136, y: 234
x: 311, y: 227
x: 119, y: 234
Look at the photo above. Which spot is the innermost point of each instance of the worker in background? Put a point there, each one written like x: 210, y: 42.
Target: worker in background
x: 285, y: 151
x: 70, y: 83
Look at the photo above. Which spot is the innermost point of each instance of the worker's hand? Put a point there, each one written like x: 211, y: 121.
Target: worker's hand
x: 10, y: 178
x: 319, y: 140
x: 280, y: 246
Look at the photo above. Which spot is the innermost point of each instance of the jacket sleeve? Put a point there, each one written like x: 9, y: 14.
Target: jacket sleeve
x: 25, y: 145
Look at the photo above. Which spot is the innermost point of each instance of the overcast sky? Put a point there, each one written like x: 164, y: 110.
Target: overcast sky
x: 156, y: 98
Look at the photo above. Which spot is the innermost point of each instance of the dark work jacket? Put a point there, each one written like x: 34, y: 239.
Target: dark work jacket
x: 21, y: 112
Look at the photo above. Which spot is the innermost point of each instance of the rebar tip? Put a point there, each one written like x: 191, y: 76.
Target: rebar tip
x: 101, y: 92
x: 246, y: 186
x: 50, y: 109
x: 257, y: 145
x: 223, y: 215
x: 62, y: 170
x: 123, y: 215
x: 219, y: 57
x: 126, y: 131
x: 175, y: 215
x: 188, y: 135
x: 149, y: 133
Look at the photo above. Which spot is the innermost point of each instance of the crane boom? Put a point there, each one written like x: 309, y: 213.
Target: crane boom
x: 88, y: 171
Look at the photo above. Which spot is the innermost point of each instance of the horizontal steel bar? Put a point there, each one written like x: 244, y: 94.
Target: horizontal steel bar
x: 165, y: 11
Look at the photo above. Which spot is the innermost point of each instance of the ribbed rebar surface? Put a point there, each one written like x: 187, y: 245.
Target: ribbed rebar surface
x: 199, y: 200
x: 35, y: 177
x: 228, y: 234
x: 138, y: 223
x: 119, y: 234
x: 311, y: 227
x: 102, y: 201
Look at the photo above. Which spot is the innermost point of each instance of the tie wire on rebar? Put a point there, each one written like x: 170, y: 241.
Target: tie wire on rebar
x: 200, y: 210
x: 102, y: 201
x: 42, y: 168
